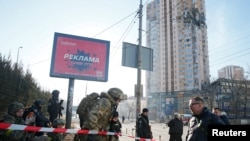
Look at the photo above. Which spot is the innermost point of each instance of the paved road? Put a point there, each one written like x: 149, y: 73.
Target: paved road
x: 160, y: 131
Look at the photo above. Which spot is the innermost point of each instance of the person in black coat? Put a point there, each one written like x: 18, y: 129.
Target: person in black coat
x: 175, y: 128
x: 41, y: 120
x: 217, y: 111
x: 201, y: 118
x: 143, y: 129
x: 54, y: 106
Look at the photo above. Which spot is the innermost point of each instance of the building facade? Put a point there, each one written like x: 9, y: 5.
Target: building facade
x: 232, y: 96
x: 177, y: 33
x: 231, y: 72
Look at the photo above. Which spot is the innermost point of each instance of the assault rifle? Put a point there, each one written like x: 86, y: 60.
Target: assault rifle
x: 60, y: 108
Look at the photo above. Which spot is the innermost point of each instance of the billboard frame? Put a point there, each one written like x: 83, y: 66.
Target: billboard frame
x: 85, y: 43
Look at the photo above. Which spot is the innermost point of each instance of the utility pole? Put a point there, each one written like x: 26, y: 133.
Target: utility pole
x: 139, y: 63
x: 139, y: 66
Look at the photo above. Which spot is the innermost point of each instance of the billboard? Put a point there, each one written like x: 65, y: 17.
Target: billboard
x: 79, y: 58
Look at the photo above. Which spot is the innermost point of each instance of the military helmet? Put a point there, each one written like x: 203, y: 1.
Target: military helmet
x: 55, y: 92
x: 39, y: 102
x: 117, y: 93
x: 58, y: 122
x: 13, y: 107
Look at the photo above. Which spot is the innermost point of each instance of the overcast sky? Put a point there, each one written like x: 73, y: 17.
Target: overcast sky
x: 31, y: 24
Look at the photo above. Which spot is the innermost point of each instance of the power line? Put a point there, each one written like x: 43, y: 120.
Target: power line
x: 127, y: 31
x: 241, y: 51
x: 114, y: 24
x: 124, y: 35
x: 227, y: 45
x: 39, y: 62
x: 93, y: 36
x: 156, y: 23
x: 239, y: 56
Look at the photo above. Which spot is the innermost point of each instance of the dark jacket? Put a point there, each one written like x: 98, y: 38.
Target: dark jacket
x: 175, y: 126
x: 53, y: 108
x: 225, y: 119
x: 115, y: 126
x: 198, y: 125
x: 41, y: 120
x: 143, y: 127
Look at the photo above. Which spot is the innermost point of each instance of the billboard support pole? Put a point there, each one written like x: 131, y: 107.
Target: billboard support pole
x: 69, y: 103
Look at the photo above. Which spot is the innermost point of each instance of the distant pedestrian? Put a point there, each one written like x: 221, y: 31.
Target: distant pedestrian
x: 123, y: 119
x: 143, y: 129
x: 201, y: 118
x: 223, y: 117
x: 175, y: 128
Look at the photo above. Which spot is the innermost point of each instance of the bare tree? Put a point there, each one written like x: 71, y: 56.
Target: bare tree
x: 209, y: 93
x: 244, y: 96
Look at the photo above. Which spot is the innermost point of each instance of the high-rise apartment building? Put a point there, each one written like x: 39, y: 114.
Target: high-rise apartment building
x: 177, y: 33
x: 154, y: 83
x: 231, y: 72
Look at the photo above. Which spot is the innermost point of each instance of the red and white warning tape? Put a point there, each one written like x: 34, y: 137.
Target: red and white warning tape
x: 8, y: 126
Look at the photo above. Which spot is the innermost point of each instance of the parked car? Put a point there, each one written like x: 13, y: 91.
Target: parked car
x: 185, y: 118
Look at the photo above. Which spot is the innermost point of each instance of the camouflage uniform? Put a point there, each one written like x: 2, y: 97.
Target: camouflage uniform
x: 13, y: 135
x: 101, y: 113
x: 57, y: 136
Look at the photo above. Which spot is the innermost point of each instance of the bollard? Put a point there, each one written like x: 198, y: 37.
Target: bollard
x: 133, y: 131
x: 126, y: 130
x: 159, y: 137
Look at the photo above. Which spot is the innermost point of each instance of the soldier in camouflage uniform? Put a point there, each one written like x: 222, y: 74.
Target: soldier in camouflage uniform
x: 101, y: 113
x: 57, y: 123
x: 14, y: 116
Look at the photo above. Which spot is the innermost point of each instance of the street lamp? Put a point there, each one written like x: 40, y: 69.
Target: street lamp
x: 19, y: 83
x: 18, y: 55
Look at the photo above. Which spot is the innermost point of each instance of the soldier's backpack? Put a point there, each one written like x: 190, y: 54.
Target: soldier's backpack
x: 86, y: 104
